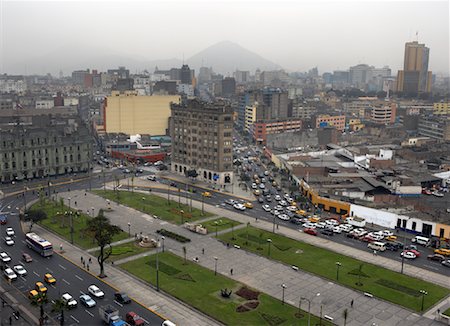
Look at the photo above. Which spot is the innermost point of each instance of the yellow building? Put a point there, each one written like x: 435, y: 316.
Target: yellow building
x: 131, y: 114
x: 441, y: 108
x: 355, y: 124
x: 250, y: 116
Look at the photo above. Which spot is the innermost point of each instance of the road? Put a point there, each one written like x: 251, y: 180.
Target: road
x: 69, y: 278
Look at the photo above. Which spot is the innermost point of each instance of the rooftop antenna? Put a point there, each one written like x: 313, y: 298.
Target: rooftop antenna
x: 417, y: 36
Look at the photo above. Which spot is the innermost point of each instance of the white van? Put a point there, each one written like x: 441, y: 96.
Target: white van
x: 421, y: 240
x: 378, y: 246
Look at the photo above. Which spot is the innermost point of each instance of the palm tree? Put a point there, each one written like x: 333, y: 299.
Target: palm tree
x: 248, y: 224
x: 40, y: 299
x: 184, y: 253
x: 345, y: 315
x: 59, y: 306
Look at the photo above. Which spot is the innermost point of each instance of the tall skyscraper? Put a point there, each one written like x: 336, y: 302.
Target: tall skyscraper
x: 415, y: 77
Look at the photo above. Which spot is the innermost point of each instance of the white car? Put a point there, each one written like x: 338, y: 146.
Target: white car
x: 87, y: 301
x: 9, y: 232
x: 408, y: 254
x: 95, y: 291
x: 310, y: 225
x: 387, y: 233
x: 283, y: 203
x: 291, y: 208
x: 262, y: 186
x: 266, y: 208
x: 9, y: 241
x: 346, y: 227
x: 277, y: 197
x: 283, y: 217
x: 331, y: 222
x: 278, y: 208
x: 275, y: 212
x: 239, y: 207
x: 20, y: 270
x: 10, y: 275
x: 4, y: 257
x: 337, y: 229
x: 69, y: 301
x: 321, y: 225
x: 286, y: 196
x: 254, y: 186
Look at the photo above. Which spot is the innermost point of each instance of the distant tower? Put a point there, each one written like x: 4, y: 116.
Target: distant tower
x: 61, y: 75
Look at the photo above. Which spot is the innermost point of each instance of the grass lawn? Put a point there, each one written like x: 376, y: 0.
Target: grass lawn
x: 383, y: 283
x: 60, y: 224
x: 219, y: 224
x: 200, y: 288
x: 124, y: 250
x: 155, y: 205
x: 447, y: 312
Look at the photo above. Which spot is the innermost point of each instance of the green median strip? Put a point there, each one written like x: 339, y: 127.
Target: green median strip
x: 125, y: 250
x: 170, y: 211
x: 378, y: 281
x: 447, y: 312
x: 58, y: 220
x: 219, y: 224
x: 209, y: 293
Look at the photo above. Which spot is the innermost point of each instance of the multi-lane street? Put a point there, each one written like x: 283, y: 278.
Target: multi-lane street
x: 69, y: 278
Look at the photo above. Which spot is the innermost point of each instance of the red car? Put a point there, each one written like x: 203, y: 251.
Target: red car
x: 310, y: 231
x: 133, y: 318
x: 415, y: 252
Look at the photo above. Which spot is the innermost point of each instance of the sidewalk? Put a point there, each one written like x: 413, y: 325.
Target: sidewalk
x: 266, y: 275
x: 147, y: 296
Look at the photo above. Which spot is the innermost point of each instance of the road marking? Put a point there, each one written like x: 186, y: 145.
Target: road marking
x: 90, y: 313
x: 36, y: 274
x: 75, y: 319
x: 51, y: 272
x: 66, y: 282
x: 145, y: 321
x: 62, y: 267
x: 53, y: 286
x: 78, y: 277
x: 118, y: 303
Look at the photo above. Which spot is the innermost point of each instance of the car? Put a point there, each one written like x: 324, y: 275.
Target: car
x: 87, y: 301
x: 95, y: 291
x: 266, y: 208
x: 392, y: 246
x: 391, y: 238
x: 9, y: 232
x: 442, y: 251
x: 261, y: 200
x: 321, y: 225
x: 122, y: 297
x: 283, y: 203
x: 446, y: 263
x: 20, y: 270
x: 309, y: 225
x: 278, y: 208
x: 248, y: 205
x: 48, y: 278
x: 436, y: 257
x: 310, y: 231
x: 3, y: 219
x: 4, y: 257
x: 150, y: 178
x: 296, y: 221
x: 133, y: 318
x: 266, y: 173
x: 69, y: 301
x: 332, y: 222
x: 336, y: 229
x: 411, y: 247
x: 284, y: 217
x: 408, y: 254
x: 416, y: 252
x: 275, y: 212
x: 9, y: 241
x: 368, y: 238
x: 206, y: 194
x: 40, y: 287
x: 387, y: 233
x: 278, y: 188
x: 257, y: 192
x: 34, y: 296
x: 437, y: 194
x: 291, y: 208
x: 263, y: 180
x: 10, y: 275
x: 268, y: 198
x: 230, y: 202
x: 327, y: 232
x: 26, y: 257
x: 254, y: 186
x: 277, y: 197
x: 239, y: 206
x: 266, y: 192
x: 262, y: 186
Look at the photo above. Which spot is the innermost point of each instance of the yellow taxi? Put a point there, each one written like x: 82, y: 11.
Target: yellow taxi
x: 40, y: 287
x: 301, y: 212
x: 48, y: 278
x: 314, y: 219
x: 248, y: 205
x: 391, y: 238
x: 34, y: 295
x: 293, y: 203
x: 257, y: 181
x: 257, y: 192
x: 442, y: 251
x: 206, y: 194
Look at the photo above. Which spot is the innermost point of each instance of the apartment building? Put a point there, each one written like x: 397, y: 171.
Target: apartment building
x: 325, y: 120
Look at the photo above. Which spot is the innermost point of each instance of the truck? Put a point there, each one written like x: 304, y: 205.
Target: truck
x: 356, y: 221
x: 110, y: 315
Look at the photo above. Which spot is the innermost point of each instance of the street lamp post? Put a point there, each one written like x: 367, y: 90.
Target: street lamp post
x: 71, y: 226
x: 129, y: 229
x: 338, y: 264
x: 269, y: 241
x: 404, y: 244
x: 157, y: 265
x: 182, y: 215
x: 203, y: 204
x: 283, y: 287
x: 273, y: 228
x: 92, y: 208
x: 309, y: 309
x: 424, y: 293
x: 215, y: 265
x: 163, y: 238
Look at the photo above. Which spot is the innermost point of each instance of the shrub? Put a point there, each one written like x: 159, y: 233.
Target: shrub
x: 173, y: 235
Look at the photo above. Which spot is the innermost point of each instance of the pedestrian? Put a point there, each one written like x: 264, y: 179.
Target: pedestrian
x: 10, y: 320
x: 351, y: 303
x: 90, y: 260
x: 84, y: 264
x: 231, y: 271
x: 203, y: 251
x: 374, y: 252
x: 135, y: 236
x: 112, y: 262
x: 87, y: 267
x: 228, y: 245
x: 60, y: 247
x: 75, y: 203
x: 81, y: 259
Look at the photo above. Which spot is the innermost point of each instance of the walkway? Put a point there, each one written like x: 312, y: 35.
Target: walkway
x: 261, y: 273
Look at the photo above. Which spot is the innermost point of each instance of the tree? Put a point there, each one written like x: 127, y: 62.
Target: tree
x: 103, y: 232
x: 40, y: 299
x: 184, y: 254
x: 37, y: 215
x: 59, y: 306
x: 345, y: 315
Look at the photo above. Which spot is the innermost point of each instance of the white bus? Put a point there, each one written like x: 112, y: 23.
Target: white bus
x: 42, y: 246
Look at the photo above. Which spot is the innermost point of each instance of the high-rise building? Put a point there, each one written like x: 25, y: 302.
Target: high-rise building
x: 415, y: 77
x: 202, y: 140
x: 228, y: 87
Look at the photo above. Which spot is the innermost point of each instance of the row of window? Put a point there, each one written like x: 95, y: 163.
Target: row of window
x: 39, y: 162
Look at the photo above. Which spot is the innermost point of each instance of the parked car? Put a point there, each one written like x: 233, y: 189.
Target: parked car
x: 95, y: 291
x: 248, y: 205
x: 268, y: 198
x: 283, y: 217
x: 149, y: 178
x: 310, y: 231
x: 436, y: 257
x: 321, y: 225
x: 275, y: 212
x: 336, y: 229
x: 260, y: 200
x: 121, y: 297
x: 391, y: 246
x: 277, y: 197
x: 309, y: 225
x: 295, y: 220
x: 87, y: 301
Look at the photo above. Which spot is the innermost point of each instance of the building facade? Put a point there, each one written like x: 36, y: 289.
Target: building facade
x: 261, y: 129
x: 336, y: 121
x: 384, y: 114
x: 441, y: 108
x: 202, y: 140
x: 435, y: 127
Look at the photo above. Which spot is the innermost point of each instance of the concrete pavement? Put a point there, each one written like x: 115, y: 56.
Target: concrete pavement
x: 261, y: 273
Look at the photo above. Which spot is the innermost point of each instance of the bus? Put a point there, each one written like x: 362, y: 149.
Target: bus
x: 42, y: 246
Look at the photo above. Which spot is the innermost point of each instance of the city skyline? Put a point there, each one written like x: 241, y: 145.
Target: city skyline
x: 297, y: 36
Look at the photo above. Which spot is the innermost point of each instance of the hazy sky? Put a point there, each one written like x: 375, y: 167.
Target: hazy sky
x: 297, y: 35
